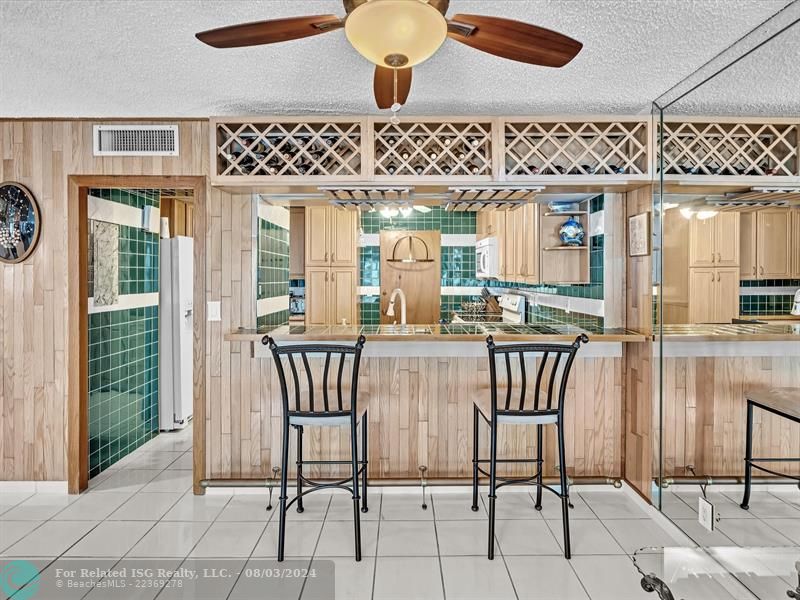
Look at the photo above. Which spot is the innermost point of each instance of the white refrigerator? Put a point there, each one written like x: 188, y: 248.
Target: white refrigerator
x: 175, y: 333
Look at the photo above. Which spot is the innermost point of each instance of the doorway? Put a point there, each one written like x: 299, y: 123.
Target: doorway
x: 114, y: 317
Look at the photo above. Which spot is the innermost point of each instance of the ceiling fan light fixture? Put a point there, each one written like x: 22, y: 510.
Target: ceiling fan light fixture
x: 396, y: 33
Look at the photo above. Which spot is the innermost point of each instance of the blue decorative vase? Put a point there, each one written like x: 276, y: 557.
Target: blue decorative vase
x: 572, y: 233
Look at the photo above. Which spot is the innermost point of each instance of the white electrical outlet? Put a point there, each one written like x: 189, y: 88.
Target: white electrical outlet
x: 214, y: 311
x: 706, y: 514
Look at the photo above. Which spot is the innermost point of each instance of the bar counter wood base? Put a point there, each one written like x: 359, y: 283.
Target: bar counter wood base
x: 420, y: 413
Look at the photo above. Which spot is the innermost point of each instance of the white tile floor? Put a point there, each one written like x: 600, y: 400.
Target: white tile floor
x: 144, y: 508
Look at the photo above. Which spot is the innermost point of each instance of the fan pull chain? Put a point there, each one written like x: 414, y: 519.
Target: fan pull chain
x: 396, y: 106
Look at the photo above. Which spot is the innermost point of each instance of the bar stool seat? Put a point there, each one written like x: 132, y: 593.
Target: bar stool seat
x: 331, y: 420
x: 542, y: 417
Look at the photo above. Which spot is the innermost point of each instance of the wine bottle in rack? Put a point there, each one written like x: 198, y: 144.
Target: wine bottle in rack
x: 405, y: 155
x: 561, y: 170
x: 447, y: 169
x: 391, y: 168
x: 432, y: 155
x: 419, y: 169
x: 532, y: 170
x: 474, y: 169
x: 418, y: 140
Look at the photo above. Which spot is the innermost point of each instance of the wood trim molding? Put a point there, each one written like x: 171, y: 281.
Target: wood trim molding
x: 77, y: 318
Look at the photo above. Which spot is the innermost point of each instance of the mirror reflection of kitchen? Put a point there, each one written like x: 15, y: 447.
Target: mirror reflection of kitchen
x: 728, y: 258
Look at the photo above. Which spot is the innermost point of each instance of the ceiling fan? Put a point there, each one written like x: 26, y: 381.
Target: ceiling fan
x: 396, y: 35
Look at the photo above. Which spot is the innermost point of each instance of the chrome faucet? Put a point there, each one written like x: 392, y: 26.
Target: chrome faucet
x: 390, y: 309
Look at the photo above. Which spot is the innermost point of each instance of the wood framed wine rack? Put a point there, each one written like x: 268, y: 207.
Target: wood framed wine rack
x: 730, y: 148
x: 531, y: 150
x: 574, y: 148
x: 433, y: 148
x: 288, y: 149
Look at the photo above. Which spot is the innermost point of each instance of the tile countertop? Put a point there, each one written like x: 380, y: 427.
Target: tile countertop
x: 467, y: 332
x: 738, y: 332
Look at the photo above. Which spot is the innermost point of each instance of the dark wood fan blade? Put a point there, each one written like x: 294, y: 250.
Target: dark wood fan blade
x: 383, y: 83
x: 269, y: 32
x: 514, y: 40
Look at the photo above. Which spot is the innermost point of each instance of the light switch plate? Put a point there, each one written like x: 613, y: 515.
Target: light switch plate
x: 706, y: 514
x: 214, y: 311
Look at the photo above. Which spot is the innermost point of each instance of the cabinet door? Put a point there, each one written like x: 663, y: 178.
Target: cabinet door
x: 796, y: 243
x: 343, y: 298
x: 499, y: 231
x: 297, y: 242
x: 774, y: 247
x: 726, y: 295
x: 483, y: 220
x: 702, y: 284
x: 528, y: 245
x: 726, y: 239
x: 701, y: 243
x: 510, y: 265
x: 317, y: 236
x: 748, y: 262
x: 343, y: 236
x: 317, y: 305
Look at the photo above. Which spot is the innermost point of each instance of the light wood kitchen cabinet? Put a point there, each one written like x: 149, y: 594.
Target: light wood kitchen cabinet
x: 766, y: 244
x: 714, y: 242
x: 317, y: 242
x: 297, y: 243
x: 330, y: 296
x: 510, y: 268
x: 713, y: 295
x: 489, y: 222
x: 795, y: 243
x: 317, y: 305
x: 774, y: 244
x: 331, y: 237
x: 748, y: 246
x: 526, y: 243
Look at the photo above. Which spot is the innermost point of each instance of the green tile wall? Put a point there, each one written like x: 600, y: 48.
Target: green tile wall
x: 767, y: 304
x: 123, y: 347
x: 272, y: 270
x: 123, y: 383
x: 436, y: 220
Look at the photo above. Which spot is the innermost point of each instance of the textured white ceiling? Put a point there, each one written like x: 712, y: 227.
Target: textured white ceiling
x: 140, y: 58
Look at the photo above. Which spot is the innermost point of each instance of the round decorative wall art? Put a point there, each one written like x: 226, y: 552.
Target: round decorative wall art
x: 20, y: 222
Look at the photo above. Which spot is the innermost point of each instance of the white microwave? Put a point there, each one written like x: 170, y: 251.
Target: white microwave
x: 487, y: 259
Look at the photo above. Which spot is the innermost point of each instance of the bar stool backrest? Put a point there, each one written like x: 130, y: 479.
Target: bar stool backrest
x: 323, y: 378
x: 540, y: 392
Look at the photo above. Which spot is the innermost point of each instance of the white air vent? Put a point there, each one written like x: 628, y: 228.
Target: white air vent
x: 135, y: 140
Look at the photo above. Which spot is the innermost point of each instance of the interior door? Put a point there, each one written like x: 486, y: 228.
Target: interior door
x: 726, y: 302
x: 344, y: 227
x: 748, y: 262
x: 702, y: 284
x: 420, y: 281
x: 726, y: 239
x: 774, y: 233
x: 316, y: 243
x: 317, y: 309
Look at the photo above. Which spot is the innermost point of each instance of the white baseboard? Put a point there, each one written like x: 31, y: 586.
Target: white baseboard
x: 34, y: 487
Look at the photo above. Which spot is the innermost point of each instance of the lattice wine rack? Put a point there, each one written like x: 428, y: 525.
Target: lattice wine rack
x: 289, y: 149
x: 715, y: 148
x: 435, y: 149
x: 561, y: 148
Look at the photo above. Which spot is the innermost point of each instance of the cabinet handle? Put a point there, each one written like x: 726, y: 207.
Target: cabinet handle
x: 719, y: 257
x: 761, y: 269
x: 719, y: 277
x: 712, y: 277
x: 333, y: 257
x: 713, y: 258
x: 754, y: 269
x: 326, y: 257
x: 326, y: 277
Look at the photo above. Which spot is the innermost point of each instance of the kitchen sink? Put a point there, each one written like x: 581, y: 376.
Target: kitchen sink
x: 404, y: 330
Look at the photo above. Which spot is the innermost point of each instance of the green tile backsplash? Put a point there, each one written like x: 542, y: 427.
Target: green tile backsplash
x: 767, y: 304
x: 123, y: 346
x: 437, y: 219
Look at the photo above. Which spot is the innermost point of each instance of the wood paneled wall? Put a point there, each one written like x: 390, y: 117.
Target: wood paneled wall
x: 639, y: 396
x: 33, y: 294
x: 420, y: 412
x: 705, y: 414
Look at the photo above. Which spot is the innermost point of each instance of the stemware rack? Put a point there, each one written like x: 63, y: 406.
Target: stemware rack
x: 450, y: 150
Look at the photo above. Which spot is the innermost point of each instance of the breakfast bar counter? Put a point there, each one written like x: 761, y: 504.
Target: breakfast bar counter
x: 421, y: 380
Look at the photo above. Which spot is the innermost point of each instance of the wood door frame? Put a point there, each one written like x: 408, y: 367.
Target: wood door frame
x: 77, y: 347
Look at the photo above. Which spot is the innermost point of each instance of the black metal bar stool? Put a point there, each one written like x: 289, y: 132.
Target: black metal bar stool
x: 528, y: 409
x: 343, y: 409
